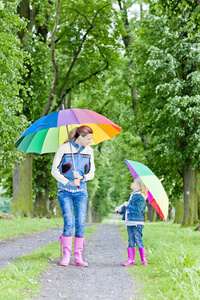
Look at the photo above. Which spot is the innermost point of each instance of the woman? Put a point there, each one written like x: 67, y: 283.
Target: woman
x: 72, y: 189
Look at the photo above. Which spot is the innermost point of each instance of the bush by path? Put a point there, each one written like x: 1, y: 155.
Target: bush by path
x: 173, y: 254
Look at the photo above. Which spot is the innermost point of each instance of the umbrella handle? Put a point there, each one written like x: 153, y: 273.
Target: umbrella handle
x: 78, y: 186
x: 72, y: 153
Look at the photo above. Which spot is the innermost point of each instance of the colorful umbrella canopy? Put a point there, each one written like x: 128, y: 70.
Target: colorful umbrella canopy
x: 49, y: 132
x: 157, y: 196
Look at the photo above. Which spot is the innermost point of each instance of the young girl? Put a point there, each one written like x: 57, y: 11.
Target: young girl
x: 133, y: 209
x: 72, y: 189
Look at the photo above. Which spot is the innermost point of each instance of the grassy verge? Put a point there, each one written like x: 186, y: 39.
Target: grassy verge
x: 20, y: 280
x: 173, y: 254
x: 21, y: 226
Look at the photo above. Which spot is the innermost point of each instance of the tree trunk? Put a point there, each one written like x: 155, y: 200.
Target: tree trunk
x: 151, y: 213
x: 179, y: 210
x: 41, y: 206
x: 42, y: 181
x: 89, y: 212
x: 96, y: 218
x: 190, y: 186
x: 22, y: 177
x: 54, y: 207
x: 22, y: 204
x: 198, y: 205
x: 69, y: 101
x: 198, y: 194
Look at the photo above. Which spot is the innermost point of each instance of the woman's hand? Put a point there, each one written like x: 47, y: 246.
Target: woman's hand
x: 76, y: 182
x: 125, y: 203
x: 77, y: 175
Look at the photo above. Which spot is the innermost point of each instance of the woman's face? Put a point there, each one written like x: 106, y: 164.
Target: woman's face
x: 85, y: 140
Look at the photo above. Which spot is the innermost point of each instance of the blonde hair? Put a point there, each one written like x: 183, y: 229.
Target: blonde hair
x: 75, y: 132
x: 140, y: 185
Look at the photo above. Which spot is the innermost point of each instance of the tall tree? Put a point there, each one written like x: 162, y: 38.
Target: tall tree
x: 124, y: 7
x: 112, y: 99
x: 83, y: 44
x: 166, y: 57
x: 34, y: 84
x: 12, y: 120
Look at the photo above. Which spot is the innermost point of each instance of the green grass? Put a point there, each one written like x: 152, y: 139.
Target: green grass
x: 22, y: 226
x: 173, y: 255
x: 20, y: 280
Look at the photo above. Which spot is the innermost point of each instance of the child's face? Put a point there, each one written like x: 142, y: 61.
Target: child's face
x: 134, y: 186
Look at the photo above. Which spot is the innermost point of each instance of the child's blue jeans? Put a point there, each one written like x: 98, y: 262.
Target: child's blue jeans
x: 79, y: 201
x: 135, y: 236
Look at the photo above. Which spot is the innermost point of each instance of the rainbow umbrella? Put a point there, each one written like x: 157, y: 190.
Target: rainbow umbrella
x: 157, y: 196
x: 49, y: 132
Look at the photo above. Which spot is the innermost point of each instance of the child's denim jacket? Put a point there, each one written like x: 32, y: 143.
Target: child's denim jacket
x: 135, y: 209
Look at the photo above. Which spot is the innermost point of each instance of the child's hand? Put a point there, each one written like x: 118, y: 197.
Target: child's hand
x: 125, y: 203
x: 118, y: 209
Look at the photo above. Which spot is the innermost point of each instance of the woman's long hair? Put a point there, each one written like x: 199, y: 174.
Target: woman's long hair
x: 82, y: 130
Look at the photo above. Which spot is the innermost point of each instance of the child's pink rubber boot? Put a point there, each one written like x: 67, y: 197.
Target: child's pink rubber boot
x: 131, y: 257
x: 143, y: 256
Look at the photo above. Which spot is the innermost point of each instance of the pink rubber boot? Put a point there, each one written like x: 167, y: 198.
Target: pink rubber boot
x: 143, y: 256
x: 131, y: 257
x: 79, y: 243
x: 66, y: 242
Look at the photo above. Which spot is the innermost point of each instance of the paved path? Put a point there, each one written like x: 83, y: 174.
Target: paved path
x: 105, y: 278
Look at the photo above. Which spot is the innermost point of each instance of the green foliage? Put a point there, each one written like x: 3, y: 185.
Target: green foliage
x: 5, y: 204
x: 110, y: 96
x: 165, y: 71
x: 88, y: 39
x: 189, y: 10
x: 42, y: 177
x: 11, y: 63
x: 95, y: 52
x: 162, y: 63
x: 173, y: 257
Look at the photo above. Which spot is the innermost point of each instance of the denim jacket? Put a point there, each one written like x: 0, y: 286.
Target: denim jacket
x: 62, y: 168
x: 134, y: 212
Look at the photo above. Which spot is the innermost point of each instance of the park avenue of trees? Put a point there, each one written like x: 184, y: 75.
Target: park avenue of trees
x: 135, y: 62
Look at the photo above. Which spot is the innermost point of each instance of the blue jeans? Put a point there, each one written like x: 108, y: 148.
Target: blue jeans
x: 135, y: 236
x: 79, y: 201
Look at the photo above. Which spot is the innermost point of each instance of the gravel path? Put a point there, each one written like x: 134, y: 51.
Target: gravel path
x: 12, y: 248
x: 105, y: 278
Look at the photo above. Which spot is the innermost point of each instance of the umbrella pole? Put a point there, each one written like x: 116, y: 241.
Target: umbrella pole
x: 71, y: 149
